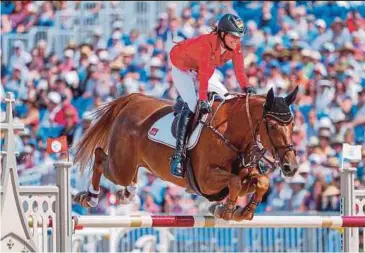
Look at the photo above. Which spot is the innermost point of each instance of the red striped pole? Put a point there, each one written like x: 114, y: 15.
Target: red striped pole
x: 172, y: 221
x: 210, y: 221
x: 353, y: 221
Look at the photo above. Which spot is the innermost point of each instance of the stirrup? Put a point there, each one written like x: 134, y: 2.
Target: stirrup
x: 173, y: 157
x: 176, y: 171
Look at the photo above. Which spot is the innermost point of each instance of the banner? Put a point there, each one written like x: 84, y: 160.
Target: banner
x: 57, y: 145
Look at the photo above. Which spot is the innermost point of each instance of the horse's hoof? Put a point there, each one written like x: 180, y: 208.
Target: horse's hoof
x: 221, y: 212
x: 242, y: 214
x: 84, y: 199
x: 248, y: 215
x: 125, y: 197
x: 216, y: 210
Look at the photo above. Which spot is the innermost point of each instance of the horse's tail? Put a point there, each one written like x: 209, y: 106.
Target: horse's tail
x: 97, y: 135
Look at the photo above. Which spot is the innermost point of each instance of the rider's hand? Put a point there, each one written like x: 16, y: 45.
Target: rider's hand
x: 204, y: 107
x: 250, y: 90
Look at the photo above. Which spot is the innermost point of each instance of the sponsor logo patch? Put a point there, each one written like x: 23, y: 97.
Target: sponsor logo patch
x: 154, y: 131
x: 239, y: 23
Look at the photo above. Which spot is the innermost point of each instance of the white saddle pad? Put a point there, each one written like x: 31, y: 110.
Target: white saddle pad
x: 161, y: 132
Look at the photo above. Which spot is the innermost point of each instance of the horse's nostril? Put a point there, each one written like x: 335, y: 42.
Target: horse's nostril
x: 286, y: 167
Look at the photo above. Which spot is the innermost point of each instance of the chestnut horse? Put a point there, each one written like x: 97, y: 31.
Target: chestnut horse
x: 243, y: 128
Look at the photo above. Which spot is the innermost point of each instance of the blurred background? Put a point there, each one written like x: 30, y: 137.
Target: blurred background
x: 63, y: 59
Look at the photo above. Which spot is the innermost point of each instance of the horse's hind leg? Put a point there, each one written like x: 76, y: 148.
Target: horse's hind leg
x: 90, y: 198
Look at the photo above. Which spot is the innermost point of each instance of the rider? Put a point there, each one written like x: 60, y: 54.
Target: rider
x: 197, y: 58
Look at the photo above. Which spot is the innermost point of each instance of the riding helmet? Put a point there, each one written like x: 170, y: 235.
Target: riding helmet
x: 231, y: 24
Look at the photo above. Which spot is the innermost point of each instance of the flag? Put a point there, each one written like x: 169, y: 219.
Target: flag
x: 57, y: 145
x: 352, y: 153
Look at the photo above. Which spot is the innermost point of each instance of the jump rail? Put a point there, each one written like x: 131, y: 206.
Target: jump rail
x: 15, y: 228
x: 147, y: 221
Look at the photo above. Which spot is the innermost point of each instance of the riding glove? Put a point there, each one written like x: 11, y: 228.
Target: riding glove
x: 205, y: 107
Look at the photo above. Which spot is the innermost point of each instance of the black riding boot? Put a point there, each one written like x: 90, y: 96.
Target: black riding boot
x: 177, y: 158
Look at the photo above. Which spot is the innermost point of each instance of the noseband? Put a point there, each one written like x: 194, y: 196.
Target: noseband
x: 257, y: 151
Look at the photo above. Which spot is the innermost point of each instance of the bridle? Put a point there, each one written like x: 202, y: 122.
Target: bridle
x: 276, y: 150
x: 257, y: 152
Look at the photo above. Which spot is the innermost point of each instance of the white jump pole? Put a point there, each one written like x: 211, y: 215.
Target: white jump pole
x: 63, y: 206
x: 209, y: 221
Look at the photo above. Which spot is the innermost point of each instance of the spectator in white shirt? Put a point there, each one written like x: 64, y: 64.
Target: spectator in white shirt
x: 20, y: 57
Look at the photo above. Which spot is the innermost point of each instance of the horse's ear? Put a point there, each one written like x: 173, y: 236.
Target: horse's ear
x: 269, y: 99
x: 292, y: 96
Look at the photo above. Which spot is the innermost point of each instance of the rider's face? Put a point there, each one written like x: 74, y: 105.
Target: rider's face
x: 232, y: 41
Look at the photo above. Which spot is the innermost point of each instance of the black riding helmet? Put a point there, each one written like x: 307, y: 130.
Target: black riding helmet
x: 231, y: 24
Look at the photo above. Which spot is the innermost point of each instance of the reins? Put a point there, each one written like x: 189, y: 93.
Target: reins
x: 256, y: 152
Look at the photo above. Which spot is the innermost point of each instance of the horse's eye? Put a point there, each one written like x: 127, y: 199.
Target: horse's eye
x: 271, y: 126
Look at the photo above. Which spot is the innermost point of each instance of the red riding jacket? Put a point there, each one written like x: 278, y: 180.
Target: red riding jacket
x: 203, y: 54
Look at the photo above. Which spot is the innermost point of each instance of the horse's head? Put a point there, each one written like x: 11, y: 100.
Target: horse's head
x: 277, y: 129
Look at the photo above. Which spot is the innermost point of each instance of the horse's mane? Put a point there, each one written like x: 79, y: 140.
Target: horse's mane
x: 242, y: 98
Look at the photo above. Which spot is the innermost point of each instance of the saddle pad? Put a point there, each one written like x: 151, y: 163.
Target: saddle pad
x: 161, y: 132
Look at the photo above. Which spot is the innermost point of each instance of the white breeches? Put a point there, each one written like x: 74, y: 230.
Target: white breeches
x: 185, y: 81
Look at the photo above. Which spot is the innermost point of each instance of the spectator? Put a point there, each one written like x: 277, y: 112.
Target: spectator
x: 116, y: 48
x: 70, y: 124
x: 68, y: 63
x: 311, y: 127
x: 149, y: 205
x: 278, y: 196
x: 313, y: 200
x: 305, y: 172
x: 47, y: 16
x: 162, y: 25
x: 133, y: 39
x: 30, y: 19
x: 155, y: 87
x: 53, y: 107
x: 83, y: 126
x: 117, y: 27
x: 254, y: 36
x: 20, y: 57
x: 19, y: 14
x: 170, y: 92
x: 331, y: 199
x: 321, y: 36
x: 32, y: 116
x: 37, y: 62
x: 173, y: 34
x: 98, y: 42
x: 67, y: 115
x: 187, y: 26
x: 325, y: 95
x: 299, y: 193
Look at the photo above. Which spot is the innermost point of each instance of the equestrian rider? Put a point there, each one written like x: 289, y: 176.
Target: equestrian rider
x: 196, y: 59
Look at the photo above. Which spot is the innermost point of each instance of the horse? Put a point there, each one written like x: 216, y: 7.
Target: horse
x: 242, y: 132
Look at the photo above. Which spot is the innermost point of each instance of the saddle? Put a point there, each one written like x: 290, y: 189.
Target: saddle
x: 164, y: 131
x: 188, y: 171
x: 178, y: 108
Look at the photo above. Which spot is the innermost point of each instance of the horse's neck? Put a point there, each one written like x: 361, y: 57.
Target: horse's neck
x: 234, y: 114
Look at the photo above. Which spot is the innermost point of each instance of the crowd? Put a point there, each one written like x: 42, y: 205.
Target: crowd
x: 318, y: 45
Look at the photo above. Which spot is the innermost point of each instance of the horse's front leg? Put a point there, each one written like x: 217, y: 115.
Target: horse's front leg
x: 220, y: 178
x: 259, y: 184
